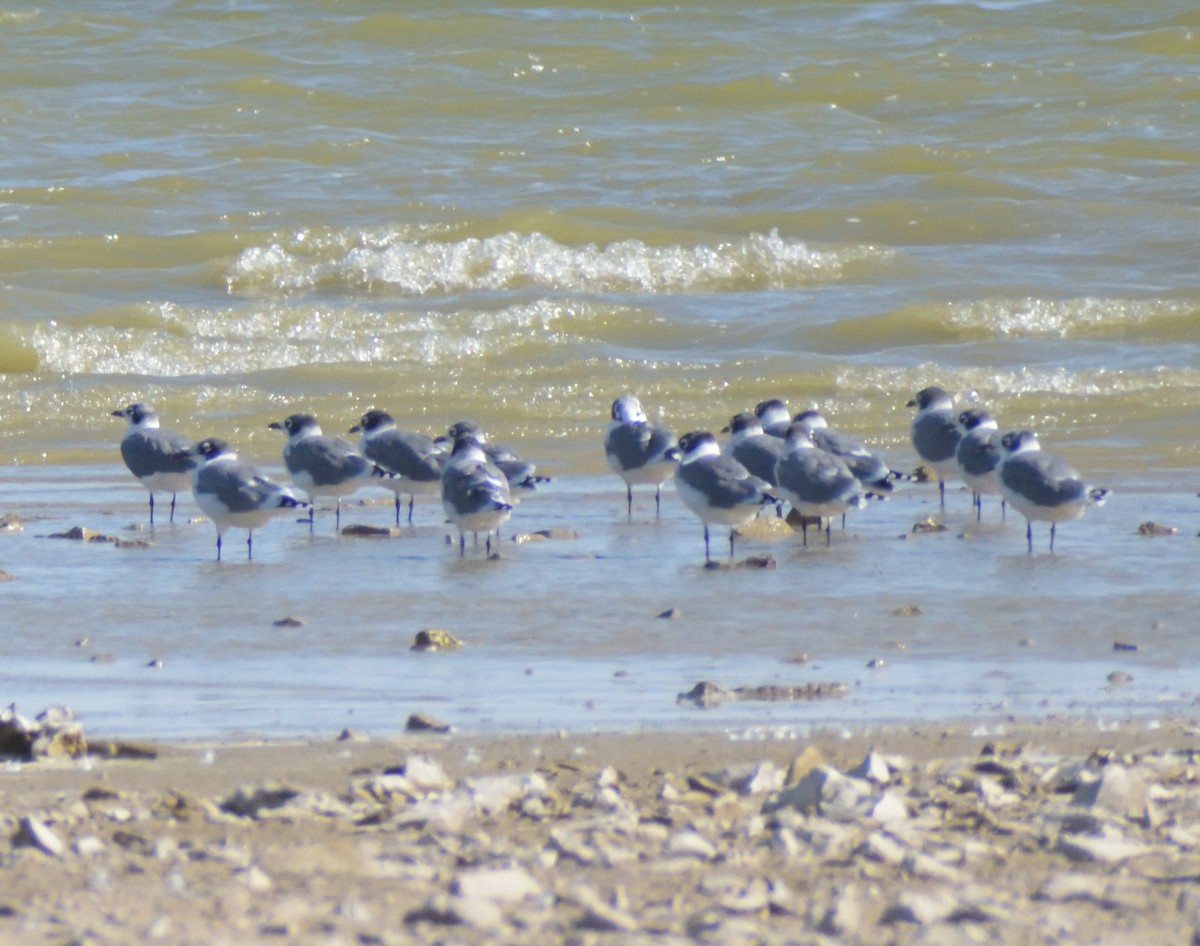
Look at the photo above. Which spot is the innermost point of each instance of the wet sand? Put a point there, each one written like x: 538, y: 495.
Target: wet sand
x: 1026, y: 833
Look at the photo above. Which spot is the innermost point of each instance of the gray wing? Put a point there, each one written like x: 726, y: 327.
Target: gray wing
x: 147, y: 452
x: 978, y: 455
x: 839, y: 444
x: 935, y: 436
x: 475, y: 487
x: 411, y: 455
x: 817, y: 477
x: 238, y: 486
x: 329, y: 461
x: 759, y: 455
x: 1043, y: 480
x: 637, y: 444
x: 724, y: 481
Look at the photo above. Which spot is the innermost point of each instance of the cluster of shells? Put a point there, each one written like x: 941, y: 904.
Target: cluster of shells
x: 1009, y: 846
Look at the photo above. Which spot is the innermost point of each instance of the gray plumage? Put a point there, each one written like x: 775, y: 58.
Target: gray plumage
x: 232, y: 492
x: 415, y: 459
x: 935, y: 434
x: 717, y: 488
x: 816, y: 483
x: 978, y: 456
x: 754, y: 449
x: 153, y: 455
x: 320, y: 465
x: 868, y: 468
x: 475, y: 492
x: 639, y: 451
x: 1040, y: 486
x: 520, y: 473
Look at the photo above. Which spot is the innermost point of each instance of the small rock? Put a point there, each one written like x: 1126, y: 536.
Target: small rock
x: 804, y: 763
x: 1119, y: 790
x: 250, y: 802
x: 425, y: 722
x: 844, y: 915
x: 371, y: 532
x: 873, y: 768
x: 691, y: 844
x: 919, y: 907
x: 1120, y: 678
x: 908, y: 611
x: 705, y: 693
x: 928, y: 525
x: 500, y: 885
x: 435, y: 639
x: 77, y: 533
x: 1124, y: 645
x: 288, y: 621
x: 876, y: 663
x: 33, y: 832
x: 1105, y: 849
x: 1154, y: 528
x: 671, y: 614
x: 825, y: 791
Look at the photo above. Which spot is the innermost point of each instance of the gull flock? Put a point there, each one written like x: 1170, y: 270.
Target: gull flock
x: 769, y: 458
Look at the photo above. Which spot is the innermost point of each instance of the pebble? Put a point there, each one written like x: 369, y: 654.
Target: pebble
x: 433, y: 639
x: 33, y: 832
x: 425, y: 722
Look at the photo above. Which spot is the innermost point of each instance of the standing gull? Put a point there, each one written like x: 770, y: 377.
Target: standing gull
x: 521, y: 474
x: 152, y: 454
x: 935, y: 434
x: 716, y: 488
x: 866, y: 466
x: 320, y: 465
x: 475, y: 492
x: 639, y: 451
x: 1040, y: 486
x: 978, y: 456
x: 414, y: 458
x: 816, y: 483
x: 231, y: 492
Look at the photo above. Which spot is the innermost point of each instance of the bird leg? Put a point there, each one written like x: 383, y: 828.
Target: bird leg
x: 172, y: 518
x: 707, y: 558
x: 1029, y: 535
x: 411, y: 499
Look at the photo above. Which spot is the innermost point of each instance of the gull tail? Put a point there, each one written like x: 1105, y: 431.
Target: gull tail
x: 1097, y: 496
x: 382, y: 473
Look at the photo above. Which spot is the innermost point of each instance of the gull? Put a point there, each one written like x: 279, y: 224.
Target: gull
x: 521, y: 474
x: 639, y: 451
x: 320, y: 465
x: 935, y: 434
x: 774, y: 416
x: 232, y: 492
x: 1040, y: 486
x: 815, y: 482
x: 152, y: 454
x: 415, y: 459
x: 475, y: 492
x: 866, y: 466
x: 717, y: 488
x: 978, y: 456
x: 754, y: 449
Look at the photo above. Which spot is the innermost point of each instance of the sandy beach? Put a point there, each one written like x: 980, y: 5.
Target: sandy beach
x: 1054, y: 832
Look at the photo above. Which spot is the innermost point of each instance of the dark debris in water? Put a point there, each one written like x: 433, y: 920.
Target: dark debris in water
x: 751, y: 561
x: 706, y: 693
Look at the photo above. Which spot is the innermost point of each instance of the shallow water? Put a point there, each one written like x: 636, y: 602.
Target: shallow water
x: 566, y: 632
x: 515, y: 213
